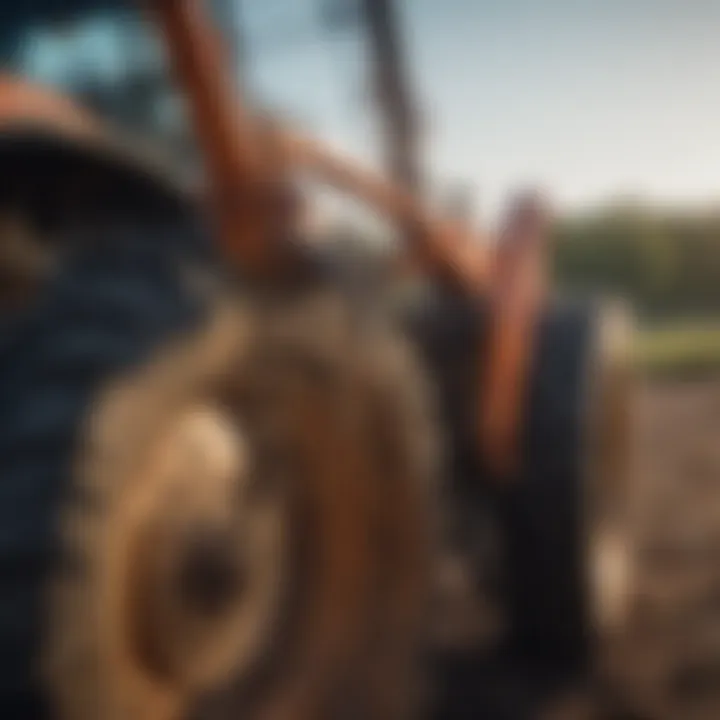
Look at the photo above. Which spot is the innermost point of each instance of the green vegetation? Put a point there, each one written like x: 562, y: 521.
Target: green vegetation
x: 666, y: 264
x: 682, y: 350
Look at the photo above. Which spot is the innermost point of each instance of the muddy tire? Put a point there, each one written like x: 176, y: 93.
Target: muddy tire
x: 358, y: 446
x: 293, y: 578
x: 106, y: 314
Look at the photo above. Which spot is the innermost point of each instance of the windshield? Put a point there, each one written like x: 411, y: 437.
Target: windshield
x: 102, y: 53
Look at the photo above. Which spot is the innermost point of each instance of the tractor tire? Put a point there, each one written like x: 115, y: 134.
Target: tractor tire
x: 362, y: 438
x: 106, y: 313
x: 209, y: 505
x: 568, y: 537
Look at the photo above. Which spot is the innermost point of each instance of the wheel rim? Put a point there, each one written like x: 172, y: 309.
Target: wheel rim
x: 213, y: 561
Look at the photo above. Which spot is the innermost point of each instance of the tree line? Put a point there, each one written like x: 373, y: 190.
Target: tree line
x: 666, y: 263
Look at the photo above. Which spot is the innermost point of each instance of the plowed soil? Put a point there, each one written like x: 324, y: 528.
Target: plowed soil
x: 666, y: 665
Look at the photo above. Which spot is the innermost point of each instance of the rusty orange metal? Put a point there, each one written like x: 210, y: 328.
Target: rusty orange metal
x: 24, y: 104
x: 444, y: 249
x: 516, y: 302
x: 244, y: 163
x: 239, y: 163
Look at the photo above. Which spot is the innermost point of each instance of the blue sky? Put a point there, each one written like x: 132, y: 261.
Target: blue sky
x: 588, y: 98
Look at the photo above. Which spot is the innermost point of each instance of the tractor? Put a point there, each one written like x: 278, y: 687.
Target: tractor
x: 233, y: 482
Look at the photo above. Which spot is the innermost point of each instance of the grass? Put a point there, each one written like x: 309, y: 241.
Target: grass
x: 684, y: 350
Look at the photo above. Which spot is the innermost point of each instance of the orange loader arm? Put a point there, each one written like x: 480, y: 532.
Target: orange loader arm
x: 245, y: 165
x: 236, y: 168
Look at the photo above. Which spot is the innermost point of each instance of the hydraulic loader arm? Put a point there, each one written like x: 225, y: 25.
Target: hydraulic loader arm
x: 245, y: 164
x: 238, y: 167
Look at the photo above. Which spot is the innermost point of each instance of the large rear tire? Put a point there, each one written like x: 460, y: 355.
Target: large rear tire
x: 106, y: 313
x: 209, y: 507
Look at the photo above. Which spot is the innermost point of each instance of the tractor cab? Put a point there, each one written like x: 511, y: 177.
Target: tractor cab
x: 101, y: 55
x: 92, y: 130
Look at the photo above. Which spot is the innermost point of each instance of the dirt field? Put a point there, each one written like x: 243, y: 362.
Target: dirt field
x: 667, y: 665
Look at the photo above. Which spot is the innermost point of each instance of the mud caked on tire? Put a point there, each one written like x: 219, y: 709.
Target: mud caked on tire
x: 208, y: 505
